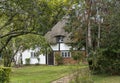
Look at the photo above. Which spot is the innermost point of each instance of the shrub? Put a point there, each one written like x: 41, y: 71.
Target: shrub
x: 82, y: 76
x: 5, y: 74
x: 27, y: 60
x: 105, y: 61
x: 59, y: 59
x: 77, y: 56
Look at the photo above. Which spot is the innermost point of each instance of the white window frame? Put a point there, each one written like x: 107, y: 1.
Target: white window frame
x: 66, y: 54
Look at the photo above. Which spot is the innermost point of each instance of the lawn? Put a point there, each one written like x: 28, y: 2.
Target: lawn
x: 46, y: 74
x: 39, y: 74
x: 106, y: 79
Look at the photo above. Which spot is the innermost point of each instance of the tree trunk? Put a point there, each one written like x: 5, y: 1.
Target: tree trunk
x: 89, y: 39
x: 98, y: 43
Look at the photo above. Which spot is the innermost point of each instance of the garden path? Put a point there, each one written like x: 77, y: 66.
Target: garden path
x: 65, y: 79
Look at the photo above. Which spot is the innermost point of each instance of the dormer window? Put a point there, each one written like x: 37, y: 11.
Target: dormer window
x: 59, y: 39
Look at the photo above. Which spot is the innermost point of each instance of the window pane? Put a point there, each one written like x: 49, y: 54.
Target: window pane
x: 68, y: 54
x: 65, y: 54
x: 62, y: 54
x: 32, y: 54
x: 59, y: 39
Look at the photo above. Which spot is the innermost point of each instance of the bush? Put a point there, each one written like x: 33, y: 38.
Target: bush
x: 105, y: 61
x: 82, y: 76
x: 27, y: 60
x: 5, y: 74
x: 78, y: 56
x: 59, y: 59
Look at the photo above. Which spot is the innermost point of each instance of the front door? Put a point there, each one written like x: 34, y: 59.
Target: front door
x: 51, y: 59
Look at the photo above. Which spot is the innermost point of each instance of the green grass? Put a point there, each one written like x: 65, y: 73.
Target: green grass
x: 39, y: 74
x: 106, y: 79
x: 47, y: 74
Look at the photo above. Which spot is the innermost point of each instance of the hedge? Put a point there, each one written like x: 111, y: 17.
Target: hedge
x: 5, y: 74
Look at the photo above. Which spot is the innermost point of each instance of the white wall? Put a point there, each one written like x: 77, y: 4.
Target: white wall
x: 27, y: 54
x: 63, y: 46
x: 42, y: 60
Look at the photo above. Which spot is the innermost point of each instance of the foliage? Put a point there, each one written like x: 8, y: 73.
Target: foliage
x: 77, y: 56
x: 105, y: 61
x: 97, y: 23
x: 19, y: 18
x: 26, y: 42
x: 1, y: 62
x: 27, y: 61
x: 106, y: 58
x: 22, y: 43
x: 82, y: 76
x: 5, y: 74
x: 58, y: 59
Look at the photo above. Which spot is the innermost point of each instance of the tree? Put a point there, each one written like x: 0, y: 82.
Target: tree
x: 105, y: 57
x: 98, y: 23
x: 108, y: 59
x: 17, y: 19
x: 22, y: 43
x: 20, y: 17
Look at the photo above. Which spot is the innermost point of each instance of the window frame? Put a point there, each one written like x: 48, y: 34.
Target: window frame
x: 66, y: 54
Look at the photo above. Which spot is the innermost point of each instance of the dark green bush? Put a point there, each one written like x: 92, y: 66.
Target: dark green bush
x: 5, y: 74
x: 105, y: 61
x: 27, y: 60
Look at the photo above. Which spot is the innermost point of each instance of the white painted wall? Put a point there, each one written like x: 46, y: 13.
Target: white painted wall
x: 42, y: 60
x: 63, y: 46
x: 27, y: 54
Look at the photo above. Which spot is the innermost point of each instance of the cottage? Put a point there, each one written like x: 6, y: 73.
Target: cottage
x: 60, y: 43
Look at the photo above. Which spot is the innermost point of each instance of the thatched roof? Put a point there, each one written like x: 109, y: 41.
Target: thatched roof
x: 58, y: 30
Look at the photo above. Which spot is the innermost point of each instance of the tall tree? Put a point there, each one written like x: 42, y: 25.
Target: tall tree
x: 20, y: 17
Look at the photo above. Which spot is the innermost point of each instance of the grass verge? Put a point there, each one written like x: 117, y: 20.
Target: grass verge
x: 105, y: 79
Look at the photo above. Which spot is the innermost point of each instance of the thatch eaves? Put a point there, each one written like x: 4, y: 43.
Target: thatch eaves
x: 58, y: 30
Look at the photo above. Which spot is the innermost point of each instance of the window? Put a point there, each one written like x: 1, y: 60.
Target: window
x: 32, y: 54
x: 66, y: 54
x: 59, y: 38
x: 62, y: 54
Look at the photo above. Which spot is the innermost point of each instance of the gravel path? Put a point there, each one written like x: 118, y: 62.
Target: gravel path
x: 65, y: 79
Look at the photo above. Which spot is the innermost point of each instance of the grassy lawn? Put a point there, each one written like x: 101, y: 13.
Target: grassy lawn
x: 106, y: 79
x: 39, y: 74
x: 46, y: 74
